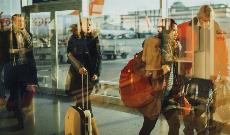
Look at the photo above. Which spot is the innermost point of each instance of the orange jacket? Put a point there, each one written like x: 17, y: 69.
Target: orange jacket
x: 220, y: 48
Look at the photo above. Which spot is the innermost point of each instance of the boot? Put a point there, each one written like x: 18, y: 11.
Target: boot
x: 2, y: 102
x: 94, y: 127
x: 19, y: 116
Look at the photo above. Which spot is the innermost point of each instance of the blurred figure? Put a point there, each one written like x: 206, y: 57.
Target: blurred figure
x: 157, y: 67
x: 20, y: 73
x: 85, y: 49
x: 2, y: 88
x: 198, y: 36
x: 194, y: 36
x: 2, y: 60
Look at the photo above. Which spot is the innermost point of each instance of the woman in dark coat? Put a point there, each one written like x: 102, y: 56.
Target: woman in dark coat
x: 84, y: 47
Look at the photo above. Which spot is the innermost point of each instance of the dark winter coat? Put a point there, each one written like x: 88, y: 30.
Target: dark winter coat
x: 87, y: 51
x: 18, y: 66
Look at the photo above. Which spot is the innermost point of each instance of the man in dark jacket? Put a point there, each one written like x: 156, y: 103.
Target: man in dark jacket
x: 4, y: 25
x: 2, y: 59
x: 20, y: 73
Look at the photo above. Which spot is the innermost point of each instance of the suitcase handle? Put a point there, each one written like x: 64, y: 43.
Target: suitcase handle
x: 87, y: 91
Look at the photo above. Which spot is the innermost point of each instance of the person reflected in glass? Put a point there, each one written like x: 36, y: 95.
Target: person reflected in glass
x: 2, y: 60
x: 20, y: 73
x: 198, y: 36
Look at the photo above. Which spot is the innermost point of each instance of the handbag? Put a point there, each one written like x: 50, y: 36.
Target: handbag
x: 28, y: 95
x: 27, y: 99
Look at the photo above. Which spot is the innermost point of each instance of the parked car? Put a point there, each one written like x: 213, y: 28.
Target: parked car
x: 112, y: 50
x: 129, y: 35
x: 117, y: 34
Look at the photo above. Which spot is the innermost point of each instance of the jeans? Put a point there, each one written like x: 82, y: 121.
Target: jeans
x: 2, y: 88
x: 172, y: 119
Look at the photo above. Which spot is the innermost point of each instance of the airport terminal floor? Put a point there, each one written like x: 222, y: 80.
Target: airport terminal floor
x: 46, y: 117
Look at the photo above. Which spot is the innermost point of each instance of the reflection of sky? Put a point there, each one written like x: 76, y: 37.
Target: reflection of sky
x: 64, y: 20
x: 111, y: 7
x: 116, y: 6
x: 122, y: 6
x: 10, y: 7
x: 41, y: 30
x: 64, y: 23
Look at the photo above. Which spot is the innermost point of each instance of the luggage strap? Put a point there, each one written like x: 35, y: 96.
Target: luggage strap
x: 87, y: 91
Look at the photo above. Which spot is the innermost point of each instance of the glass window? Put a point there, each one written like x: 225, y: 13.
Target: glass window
x: 40, y: 28
x: 201, y: 50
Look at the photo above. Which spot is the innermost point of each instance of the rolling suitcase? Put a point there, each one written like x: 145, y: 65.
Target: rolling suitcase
x: 78, y: 119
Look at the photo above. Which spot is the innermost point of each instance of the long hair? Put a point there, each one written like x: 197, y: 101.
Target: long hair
x: 166, y: 25
x: 207, y: 11
x: 168, y: 45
